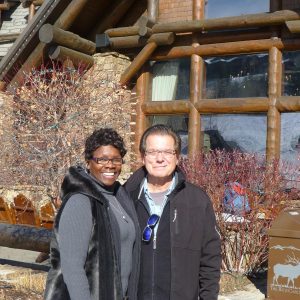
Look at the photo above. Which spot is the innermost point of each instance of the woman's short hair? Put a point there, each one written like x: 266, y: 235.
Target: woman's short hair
x: 103, y: 137
x: 160, y: 129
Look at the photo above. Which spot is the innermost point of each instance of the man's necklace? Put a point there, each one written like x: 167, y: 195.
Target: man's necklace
x: 119, y: 210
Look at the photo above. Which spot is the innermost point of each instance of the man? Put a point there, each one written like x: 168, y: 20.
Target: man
x: 181, y: 254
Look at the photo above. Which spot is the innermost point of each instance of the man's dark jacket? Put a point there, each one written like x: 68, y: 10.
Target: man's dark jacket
x: 103, y: 258
x: 186, y: 262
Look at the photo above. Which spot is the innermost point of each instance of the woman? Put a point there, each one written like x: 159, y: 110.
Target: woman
x: 95, y: 248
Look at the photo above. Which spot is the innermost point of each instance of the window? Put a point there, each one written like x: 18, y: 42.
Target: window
x: 178, y: 123
x: 171, y: 80
x: 243, y: 132
x: 228, y: 8
x: 291, y: 73
x: 236, y: 76
x: 290, y: 136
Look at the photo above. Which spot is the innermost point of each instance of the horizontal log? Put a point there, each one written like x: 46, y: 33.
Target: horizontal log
x: 50, y: 34
x: 27, y: 3
x: 25, y: 237
x: 122, y: 31
x: 5, y: 6
x: 233, y: 105
x: 288, y: 104
x: 9, y: 37
x: 166, y: 107
x: 293, y: 26
x: 166, y: 38
x: 134, y: 41
x: 77, y: 58
x: 244, y: 21
x: 220, y: 48
x: 129, y: 31
x: 127, y: 42
x: 227, y: 48
x: 238, y: 22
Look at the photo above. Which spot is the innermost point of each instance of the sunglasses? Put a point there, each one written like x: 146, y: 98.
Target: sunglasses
x: 147, y: 233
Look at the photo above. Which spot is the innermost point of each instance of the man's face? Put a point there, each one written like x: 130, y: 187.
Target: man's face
x: 162, y: 163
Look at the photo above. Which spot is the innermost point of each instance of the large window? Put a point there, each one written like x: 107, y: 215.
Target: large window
x: 236, y: 76
x: 228, y: 8
x: 291, y: 73
x: 246, y: 133
x: 171, y: 80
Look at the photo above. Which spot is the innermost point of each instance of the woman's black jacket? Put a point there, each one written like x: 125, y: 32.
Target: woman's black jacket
x: 102, y: 263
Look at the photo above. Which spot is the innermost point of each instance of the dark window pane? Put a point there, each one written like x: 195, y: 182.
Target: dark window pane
x: 246, y: 133
x: 236, y: 76
x: 171, y: 80
x: 228, y: 8
x: 290, y: 137
x: 291, y: 73
x: 178, y: 123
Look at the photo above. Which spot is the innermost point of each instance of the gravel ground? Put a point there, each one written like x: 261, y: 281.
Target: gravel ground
x: 15, y: 260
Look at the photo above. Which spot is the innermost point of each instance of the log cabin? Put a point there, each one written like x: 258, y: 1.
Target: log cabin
x: 223, y: 74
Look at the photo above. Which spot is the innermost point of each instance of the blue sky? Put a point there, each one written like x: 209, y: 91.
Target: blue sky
x: 226, y: 8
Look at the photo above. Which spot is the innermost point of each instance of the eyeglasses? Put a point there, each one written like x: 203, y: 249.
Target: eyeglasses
x: 104, y: 161
x: 147, y: 233
x: 165, y: 153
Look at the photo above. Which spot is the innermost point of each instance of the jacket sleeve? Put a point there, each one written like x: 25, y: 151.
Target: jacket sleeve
x: 210, y: 265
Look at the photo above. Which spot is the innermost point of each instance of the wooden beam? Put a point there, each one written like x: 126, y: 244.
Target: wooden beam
x: 142, y: 89
x: 27, y: 3
x: 111, y: 19
x: 122, y: 31
x: 128, y: 31
x: 166, y: 107
x: 5, y: 6
x: 50, y: 34
x: 238, y: 22
x: 138, y: 62
x: 273, y: 116
x: 227, y: 48
x: 244, y: 21
x: 31, y: 12
x: 194, y: 129
x: 236, y: 105
x: 152, y: 10
x: 9, y: 37
x: 25, y: 237
x: 288, y: 103
x: 136, y: 41
x: 221, y: 48
x: 293, y: 26
x: 127, y: 42
x: 77, y: 58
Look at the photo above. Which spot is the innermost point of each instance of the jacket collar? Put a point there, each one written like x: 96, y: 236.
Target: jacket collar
x: 77, y: 180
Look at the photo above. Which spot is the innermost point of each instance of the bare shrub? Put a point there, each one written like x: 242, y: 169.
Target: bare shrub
x: 244, y: 238
x: 52, y: 113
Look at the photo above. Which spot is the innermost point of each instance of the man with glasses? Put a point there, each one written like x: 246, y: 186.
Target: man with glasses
x: 181, y: 255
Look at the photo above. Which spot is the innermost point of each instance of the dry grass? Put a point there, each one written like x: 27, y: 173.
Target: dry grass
x: 23, y: 285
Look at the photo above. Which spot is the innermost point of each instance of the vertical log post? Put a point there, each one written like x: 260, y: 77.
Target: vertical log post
x: 152, y: 10
x: 194, y: 143
x: 142, y: 88
x: 273, y: 116
x: 31, y: 11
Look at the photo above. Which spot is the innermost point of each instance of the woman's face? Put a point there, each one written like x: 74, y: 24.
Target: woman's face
x: 106, y: 173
